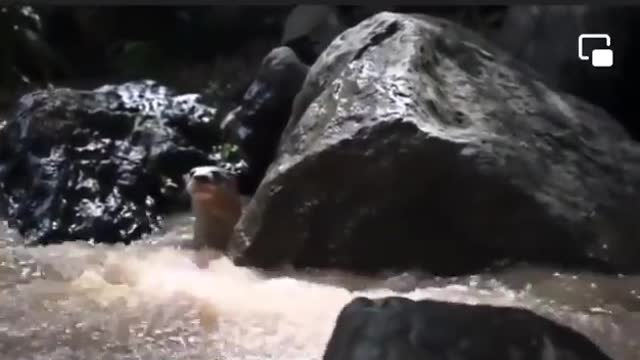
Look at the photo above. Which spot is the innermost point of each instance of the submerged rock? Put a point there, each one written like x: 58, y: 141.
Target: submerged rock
x: 400, y: 328
x: 101, y: 164
x: 256, y: 124
x: 415, y: 143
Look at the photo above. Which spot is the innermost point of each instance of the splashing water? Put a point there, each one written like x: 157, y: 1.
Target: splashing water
x: 155, y: 300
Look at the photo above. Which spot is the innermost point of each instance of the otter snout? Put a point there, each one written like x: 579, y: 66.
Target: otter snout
x: 203, y: 178
x: 209, y: 174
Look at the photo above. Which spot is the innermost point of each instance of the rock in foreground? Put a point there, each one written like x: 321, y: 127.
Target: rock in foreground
x: 399, y: 328
x: 415, y: 143
x: 101, y: 164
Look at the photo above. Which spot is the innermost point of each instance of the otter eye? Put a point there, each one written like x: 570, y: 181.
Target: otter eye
x: 192, y: 172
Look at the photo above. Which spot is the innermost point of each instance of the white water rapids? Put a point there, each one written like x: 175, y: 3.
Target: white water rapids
x: 151, y: 301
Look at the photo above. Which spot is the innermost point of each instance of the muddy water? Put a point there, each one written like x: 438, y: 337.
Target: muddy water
x: 155, y: 300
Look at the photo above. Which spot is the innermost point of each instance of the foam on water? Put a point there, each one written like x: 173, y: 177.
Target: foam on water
x: 155, y: 300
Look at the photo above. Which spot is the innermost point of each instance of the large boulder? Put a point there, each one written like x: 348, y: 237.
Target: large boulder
x: 399, y: 328
x: 415, y: 143
x: 101, y: 164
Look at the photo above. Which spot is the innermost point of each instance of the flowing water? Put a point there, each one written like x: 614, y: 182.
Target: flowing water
x: 156, y: 300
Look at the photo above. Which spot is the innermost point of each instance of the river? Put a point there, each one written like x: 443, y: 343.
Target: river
x: 155, y: 299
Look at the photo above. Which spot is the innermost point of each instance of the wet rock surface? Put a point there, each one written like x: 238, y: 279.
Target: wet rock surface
x: 256, y: 124
x: 102, y: 164
x: 415, y: 143
x: 400, y: 328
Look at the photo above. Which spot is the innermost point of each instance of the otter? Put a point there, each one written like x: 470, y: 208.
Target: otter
x: 216, y: 204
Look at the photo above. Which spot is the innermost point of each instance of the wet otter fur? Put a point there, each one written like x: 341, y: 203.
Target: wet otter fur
x: 216, y: 205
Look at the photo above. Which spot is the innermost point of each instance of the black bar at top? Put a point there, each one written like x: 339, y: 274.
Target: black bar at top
x: 331, y: 2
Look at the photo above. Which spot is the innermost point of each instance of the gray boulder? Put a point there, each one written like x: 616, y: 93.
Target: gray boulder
x: 415, y: 143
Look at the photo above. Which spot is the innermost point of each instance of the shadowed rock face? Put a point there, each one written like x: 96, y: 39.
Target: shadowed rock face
x: 101, y: 164
x: 399, y: 328
x: 257, y: 123
x: 414, y: 143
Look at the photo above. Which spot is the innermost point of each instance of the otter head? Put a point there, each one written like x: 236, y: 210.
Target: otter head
x: 216, y: 204
x: 204, y: 181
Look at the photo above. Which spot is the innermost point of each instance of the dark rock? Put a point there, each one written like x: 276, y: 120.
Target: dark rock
x: 399, y: 328
x: 415, y: 143
x: 546, y: 37
x: 257, y: 123
x: 101, y: 164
